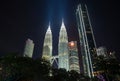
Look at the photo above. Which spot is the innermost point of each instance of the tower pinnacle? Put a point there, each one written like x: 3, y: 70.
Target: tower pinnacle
x: 49, y: 29
x: 63, y: 25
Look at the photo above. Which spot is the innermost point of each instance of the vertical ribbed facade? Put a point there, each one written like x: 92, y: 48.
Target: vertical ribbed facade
x: 47, y: 47
x: 87, y: 42
x: 73, y: 56
x: 29, y: 47
x: 63, y: 61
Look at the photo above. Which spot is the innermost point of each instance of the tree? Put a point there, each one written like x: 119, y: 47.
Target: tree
x: 59, y: 75
x: 110, y: 67
x: 73, y: 75
x: 17, y: 68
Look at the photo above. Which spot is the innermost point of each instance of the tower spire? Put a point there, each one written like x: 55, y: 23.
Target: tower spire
x: 63, y: 25
x: 49, y: 29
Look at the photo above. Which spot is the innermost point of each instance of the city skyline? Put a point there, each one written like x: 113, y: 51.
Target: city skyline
x: 20, y: 22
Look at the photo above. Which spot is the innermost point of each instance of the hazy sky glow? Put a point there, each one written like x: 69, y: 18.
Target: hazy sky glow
x: 22, y: 19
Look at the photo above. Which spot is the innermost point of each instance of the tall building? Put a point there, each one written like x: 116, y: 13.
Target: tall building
x: 47, y: 47
x: 73, y: 56
x: 87, y: 41
x: 63, y: 61
x: 102, y: 51
x: 29, y: 47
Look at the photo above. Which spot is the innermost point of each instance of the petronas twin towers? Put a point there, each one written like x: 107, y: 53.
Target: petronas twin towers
x: 68, y: 57
x: 62, y: 48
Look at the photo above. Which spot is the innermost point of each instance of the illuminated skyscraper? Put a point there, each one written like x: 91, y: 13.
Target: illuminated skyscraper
x: 47, y: 47
x: 29, y: 47
x: 63, y: 61
x: 73, y: 56
x: 87, y: 42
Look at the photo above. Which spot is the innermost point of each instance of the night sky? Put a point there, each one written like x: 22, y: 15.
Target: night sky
x: 22, y: 19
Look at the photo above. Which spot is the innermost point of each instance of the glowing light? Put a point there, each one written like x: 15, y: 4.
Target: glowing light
x: 72, y: 44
